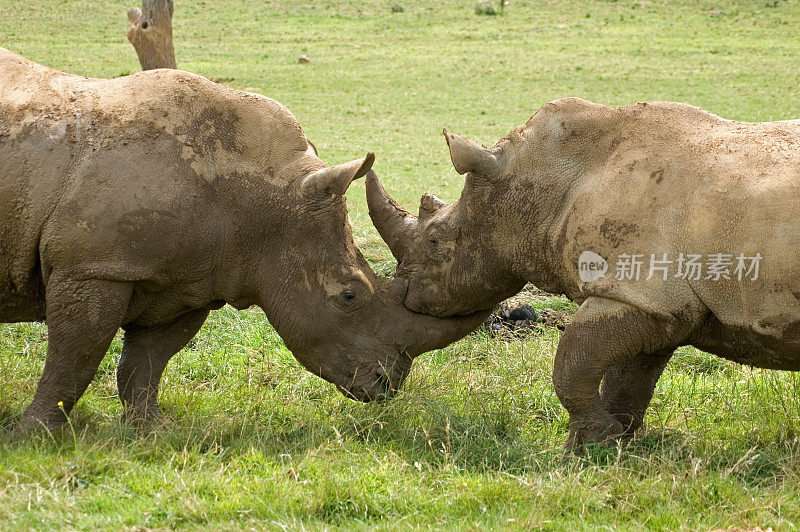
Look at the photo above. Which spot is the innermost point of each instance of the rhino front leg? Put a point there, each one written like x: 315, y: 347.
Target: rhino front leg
x: 602, y: 334
x: 628, y: 387
x: 82, y: 318
x: 145, y: 354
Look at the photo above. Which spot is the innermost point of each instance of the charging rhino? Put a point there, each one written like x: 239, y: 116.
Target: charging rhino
x: 146, y: 201
x: 669, y: 225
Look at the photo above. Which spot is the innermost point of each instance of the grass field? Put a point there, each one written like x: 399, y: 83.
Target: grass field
x: 475, y: 438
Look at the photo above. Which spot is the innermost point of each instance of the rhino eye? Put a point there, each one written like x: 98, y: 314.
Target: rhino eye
x: 433, y: 242
x: 347, y: 295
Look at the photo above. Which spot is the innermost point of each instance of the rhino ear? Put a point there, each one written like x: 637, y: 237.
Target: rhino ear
x: 469, y: 156
x: 335, y: 179
x: 428, y: 206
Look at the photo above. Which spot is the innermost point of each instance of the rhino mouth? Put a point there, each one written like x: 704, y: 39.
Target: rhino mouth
x: 382, y: 384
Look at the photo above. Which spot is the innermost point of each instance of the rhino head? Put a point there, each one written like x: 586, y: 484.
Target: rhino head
x: 457, y: 258
x: 337, y: 317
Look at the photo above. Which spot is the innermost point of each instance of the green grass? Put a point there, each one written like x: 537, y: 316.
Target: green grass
x: 474, y: 439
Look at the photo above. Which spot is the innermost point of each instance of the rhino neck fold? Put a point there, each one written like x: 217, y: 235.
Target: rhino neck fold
x: 547, y: 242
x: 249, y: 241
x: 515, y: 225
x: 531, y: 226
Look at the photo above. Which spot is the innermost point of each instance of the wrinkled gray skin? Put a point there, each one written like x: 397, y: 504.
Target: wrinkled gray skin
x: 650, y: 178
x: 146, y: 201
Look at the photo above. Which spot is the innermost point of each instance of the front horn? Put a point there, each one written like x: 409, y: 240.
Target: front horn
x: 396, y: 226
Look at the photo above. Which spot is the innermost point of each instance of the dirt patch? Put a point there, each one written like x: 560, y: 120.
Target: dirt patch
x: 523, y: 315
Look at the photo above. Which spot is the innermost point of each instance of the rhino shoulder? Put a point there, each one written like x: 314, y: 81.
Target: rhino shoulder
x: 663, y: 113
x: 205, y: 116
x: 568, y: 118
x: 568, y: 126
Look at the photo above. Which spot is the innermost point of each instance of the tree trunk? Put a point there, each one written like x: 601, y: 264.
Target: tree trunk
x: 151, y: 34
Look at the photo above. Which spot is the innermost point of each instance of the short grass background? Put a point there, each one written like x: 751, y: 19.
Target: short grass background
x: 474, y: 439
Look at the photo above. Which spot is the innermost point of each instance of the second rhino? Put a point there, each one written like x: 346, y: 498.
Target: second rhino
x: 669, y: 225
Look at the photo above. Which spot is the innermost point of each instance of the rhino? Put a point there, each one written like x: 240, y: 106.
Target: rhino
x: 668, y: 225
x: 144, y: 202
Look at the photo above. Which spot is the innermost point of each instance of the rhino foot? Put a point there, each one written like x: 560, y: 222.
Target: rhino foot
x: 82, y: 317
x: 145, y: 353
x: 627, y: 350
x: 581, y: 433
x: 628, y: 387
x: 39, y: 422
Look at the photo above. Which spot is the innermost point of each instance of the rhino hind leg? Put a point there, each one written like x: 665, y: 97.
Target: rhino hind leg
x: 605, y: 334
x: 82, y: 318
x: 628, y: 387
x: 145, y: 353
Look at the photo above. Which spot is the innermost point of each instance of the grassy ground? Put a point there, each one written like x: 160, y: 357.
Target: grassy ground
x: 474, y: 440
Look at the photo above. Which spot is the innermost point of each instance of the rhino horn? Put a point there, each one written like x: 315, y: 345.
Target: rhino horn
x: 396, y: 226
x: 428, y: 206
x: 469, y: 156
x: 336, y: 179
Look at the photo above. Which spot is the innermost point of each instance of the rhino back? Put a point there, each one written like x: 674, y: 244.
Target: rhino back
x: 135, y: 178
x: 671, y: 178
